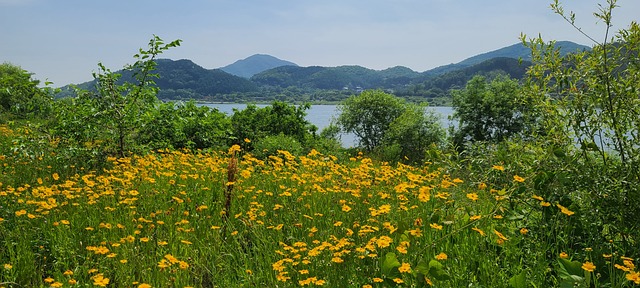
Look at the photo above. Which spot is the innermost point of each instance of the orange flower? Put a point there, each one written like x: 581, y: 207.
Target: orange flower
x: 588, y: 266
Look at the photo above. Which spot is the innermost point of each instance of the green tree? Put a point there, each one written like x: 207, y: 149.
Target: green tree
x: 389, y: 127
x: 112, y: 114
x: 20, y: 94
x: 369, y: 116
x: 255, y: 123
x: 413, y: 132
x: 491, y: 111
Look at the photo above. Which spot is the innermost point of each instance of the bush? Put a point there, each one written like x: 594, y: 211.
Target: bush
x: 269, y: 146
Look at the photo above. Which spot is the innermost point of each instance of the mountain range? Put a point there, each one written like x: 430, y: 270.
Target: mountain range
x: 264, y: 78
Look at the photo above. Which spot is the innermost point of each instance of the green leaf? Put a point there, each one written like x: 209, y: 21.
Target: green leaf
x: 436, y: 270
x: 519, y: 281
x: 422, y: 268
x: 390, y: 265
x: 571, y: 267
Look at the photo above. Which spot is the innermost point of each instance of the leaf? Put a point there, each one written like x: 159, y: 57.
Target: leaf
x: 390, y: 264
x: 519, y: 281
x: 436, y: 270
x: 571, y: 267
x: 422, y: 268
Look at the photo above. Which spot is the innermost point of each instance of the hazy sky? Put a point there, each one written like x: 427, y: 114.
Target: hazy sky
x: 63, y: 40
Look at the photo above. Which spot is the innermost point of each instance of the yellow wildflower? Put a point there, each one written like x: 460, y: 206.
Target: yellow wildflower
x: 404, y: 268
x: 588, y: 266
x: 441, y: 256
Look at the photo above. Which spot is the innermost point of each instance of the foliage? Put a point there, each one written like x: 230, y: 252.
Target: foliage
x: 369, y: 116
x: 295, y: 220
x: 255, y: 123
x: 413, y: 133
x: 20, y: 94
x: 270, y: 145
x: 388, y: 126
x: 112, y: 114
x: 184, y: 125
x: 591, y: 106
x: 491, y: 111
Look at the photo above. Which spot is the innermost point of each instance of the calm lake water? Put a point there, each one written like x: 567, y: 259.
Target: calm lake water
x: 321, y: 116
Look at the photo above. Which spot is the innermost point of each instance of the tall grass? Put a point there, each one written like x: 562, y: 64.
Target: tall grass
x: 160, y: 220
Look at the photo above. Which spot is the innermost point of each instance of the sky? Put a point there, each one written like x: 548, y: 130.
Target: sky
x: 62, y: 41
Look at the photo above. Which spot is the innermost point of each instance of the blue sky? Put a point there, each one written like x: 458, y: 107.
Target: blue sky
x: 63, y: 40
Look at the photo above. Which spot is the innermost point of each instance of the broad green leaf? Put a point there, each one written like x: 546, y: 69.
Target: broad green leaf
x: 519, y: 281
x: 571, y: 267
x: 390, y: 264
x: 436, y: 270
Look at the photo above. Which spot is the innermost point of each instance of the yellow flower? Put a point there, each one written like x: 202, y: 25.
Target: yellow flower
x: 144, y: 285
x: 234, y: 149
x: 100, y: 280
x: 634, y: 277
x: 68, y: 273
x: 384, y: 241
x: 346, y: 208
x: 56, y: 176
x: 564, y: 255
x: 436, y: 226
x: 564, y: 210
x: 21, y: 212
x: 518, y: 178
x: 441, y: 256
x: 524, y: 231
x: 500, y: 235
x: 498, y: 167
x: 404, y: 268
x: 7, y: 266
x: 482, y: 186
x: 246, y: 140
x: 398, y: 280
x: 588, y: 266
x: 478, y: 230
x: 378, y: 280
x: 56, y: 284
x: 72, y: 281
x: 472, y: 196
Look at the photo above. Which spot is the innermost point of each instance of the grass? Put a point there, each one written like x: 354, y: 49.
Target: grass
x: 159, y: 220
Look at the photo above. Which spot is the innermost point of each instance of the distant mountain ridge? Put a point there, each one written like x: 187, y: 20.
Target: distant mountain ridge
x: 515, y: 51
x: 255, y: 64
x: 183, y: 79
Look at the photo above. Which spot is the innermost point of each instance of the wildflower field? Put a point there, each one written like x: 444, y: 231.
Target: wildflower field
x: 164, y: 220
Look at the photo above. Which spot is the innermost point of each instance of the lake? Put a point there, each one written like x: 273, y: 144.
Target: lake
x: 321, y: 116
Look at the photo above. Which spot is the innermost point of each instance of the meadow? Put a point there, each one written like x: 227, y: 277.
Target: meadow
x: 162, y: 219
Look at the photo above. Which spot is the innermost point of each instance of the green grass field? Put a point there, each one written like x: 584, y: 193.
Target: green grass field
x: 159, y: 220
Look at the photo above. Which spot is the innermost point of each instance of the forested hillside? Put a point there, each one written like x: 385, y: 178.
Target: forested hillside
x: 183, y: 79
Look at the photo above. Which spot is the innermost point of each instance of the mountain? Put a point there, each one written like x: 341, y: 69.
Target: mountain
x: 336, y: 78
x: 255, y: 64
x: 183, y: 79
x: 515, y: 51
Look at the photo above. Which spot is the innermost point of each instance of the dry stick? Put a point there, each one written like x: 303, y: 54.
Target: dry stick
x: 232, y: 169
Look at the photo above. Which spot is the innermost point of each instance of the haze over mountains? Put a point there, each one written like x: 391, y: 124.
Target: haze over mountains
x: 265, y: 78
